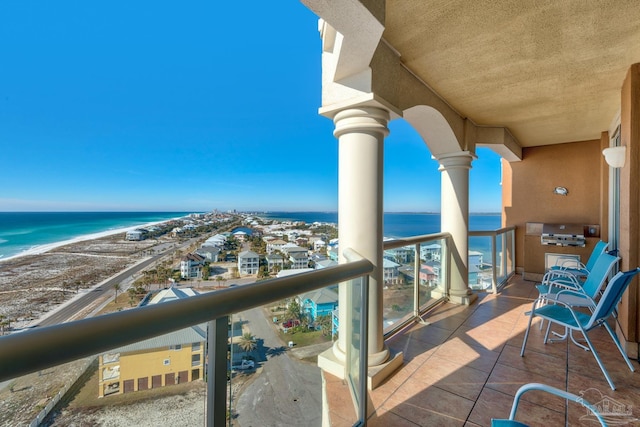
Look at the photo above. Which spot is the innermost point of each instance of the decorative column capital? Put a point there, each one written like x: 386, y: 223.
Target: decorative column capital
x: 458, y: 160
x: 361, y: 120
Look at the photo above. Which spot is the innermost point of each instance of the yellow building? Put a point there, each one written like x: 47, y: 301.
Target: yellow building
x: 168, y: 359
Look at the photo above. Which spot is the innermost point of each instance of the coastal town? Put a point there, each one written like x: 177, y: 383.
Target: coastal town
x: 176, y: 259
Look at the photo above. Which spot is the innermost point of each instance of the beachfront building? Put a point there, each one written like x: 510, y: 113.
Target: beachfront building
x: 274, y: 262
x: 390, y: 272
x: 169, y: 359
x: 248, y: 262
x: 210, y: 253
x: 191, y: 266
x: 299, y: 260
x: 134, y: 235
x: 275, y: 245
x: 318, y: 303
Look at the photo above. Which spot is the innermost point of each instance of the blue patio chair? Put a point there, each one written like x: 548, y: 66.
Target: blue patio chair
x: 585, y: 293
x: 566, y: 316
x: 548, y: 389
x: 590, y: 288
x: 576, y: 268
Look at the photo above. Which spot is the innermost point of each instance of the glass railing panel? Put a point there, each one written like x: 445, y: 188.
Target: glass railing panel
x: 481, y: 262
x: 356, y: 330
x: 398, y: 285
x: 432, y: 280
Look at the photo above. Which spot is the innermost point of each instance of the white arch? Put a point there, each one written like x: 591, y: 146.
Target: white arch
x: 434, y: 129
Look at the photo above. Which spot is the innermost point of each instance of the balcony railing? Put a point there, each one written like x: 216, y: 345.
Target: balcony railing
x: 425, y: 279
x: 22, y: 353
x: 502, y: 264
x: 425, y: 283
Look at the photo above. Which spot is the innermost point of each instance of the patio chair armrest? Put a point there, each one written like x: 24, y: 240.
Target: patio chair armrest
x: 555, y: 391
x: 567, y: 282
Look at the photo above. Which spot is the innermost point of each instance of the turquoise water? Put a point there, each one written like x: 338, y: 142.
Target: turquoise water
x: 23, y: 231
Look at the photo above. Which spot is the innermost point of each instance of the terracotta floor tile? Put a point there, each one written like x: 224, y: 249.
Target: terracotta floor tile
x: 465, y: 366
x: 385, y: 418
x: 508, y: 380
x: 430, y: 407
x: 491, y: 337
x: 451, y: 376
x: 476, y: 357
x: 490, y: 404
x: 429, y: 334
x: 541, y: 364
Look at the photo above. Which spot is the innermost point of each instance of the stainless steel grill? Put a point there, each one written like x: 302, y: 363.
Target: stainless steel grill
x: 562, y: 235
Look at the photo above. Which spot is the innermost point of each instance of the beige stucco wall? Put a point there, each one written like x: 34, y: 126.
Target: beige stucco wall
x: 528, y: 188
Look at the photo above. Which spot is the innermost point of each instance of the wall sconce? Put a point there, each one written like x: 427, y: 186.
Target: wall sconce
x: 615, y: 156
x: 560, y: 191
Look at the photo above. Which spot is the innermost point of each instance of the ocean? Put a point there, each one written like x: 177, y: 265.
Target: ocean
x: 396, y: 224
x: 30, y: 232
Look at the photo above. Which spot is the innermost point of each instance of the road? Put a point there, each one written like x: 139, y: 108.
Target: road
x: 287, y: 392
x: 76, y: 306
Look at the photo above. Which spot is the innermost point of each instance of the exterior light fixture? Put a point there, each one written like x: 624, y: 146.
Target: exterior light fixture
x: 560, y: 191
x: 615, y: 156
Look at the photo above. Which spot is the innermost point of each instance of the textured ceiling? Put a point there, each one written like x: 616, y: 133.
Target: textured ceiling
x: 550, y: 71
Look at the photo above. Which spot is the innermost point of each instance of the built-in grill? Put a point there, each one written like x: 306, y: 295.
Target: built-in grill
x: 562, y: 235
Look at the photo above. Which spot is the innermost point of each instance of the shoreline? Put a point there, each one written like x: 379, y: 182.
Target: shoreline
x: 41, y: 249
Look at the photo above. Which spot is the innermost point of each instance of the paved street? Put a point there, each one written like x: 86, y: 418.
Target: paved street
x: 287, y: 392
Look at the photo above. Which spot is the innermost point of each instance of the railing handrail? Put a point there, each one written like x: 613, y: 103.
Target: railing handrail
x: 407, y: 241
x: 41, y: 348
x: 479, y: 233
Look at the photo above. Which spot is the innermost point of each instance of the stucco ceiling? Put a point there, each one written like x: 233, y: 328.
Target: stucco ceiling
x: 550, y: 71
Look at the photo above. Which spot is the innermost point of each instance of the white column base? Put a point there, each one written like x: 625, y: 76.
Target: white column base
x: 467, y: 299
x: 333, y: 364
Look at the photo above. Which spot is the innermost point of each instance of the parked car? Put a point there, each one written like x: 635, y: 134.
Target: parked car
x: 290, y: 323
x: 244, y: 365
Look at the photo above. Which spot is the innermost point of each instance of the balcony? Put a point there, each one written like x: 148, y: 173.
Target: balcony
x: 463, y: 367
x: 461, y: 363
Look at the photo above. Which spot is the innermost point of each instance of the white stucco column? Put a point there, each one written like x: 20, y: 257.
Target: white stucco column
x: 361, y: 132
x: 455, y: 220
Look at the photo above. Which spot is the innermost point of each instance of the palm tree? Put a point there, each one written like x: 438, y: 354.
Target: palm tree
x: 117, y: 287
x: 247, y: 342
x: 294, y: 311
x: 325, y: 324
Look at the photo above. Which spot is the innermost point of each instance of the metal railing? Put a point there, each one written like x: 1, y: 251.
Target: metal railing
x: 416, y: 241
x: 21, y: 354
x: 503, y: 266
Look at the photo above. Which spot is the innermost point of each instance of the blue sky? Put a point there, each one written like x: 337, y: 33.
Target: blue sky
x: 190, y: 106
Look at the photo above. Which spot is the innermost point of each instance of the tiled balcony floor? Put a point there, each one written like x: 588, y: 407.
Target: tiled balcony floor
x: 464, y: 367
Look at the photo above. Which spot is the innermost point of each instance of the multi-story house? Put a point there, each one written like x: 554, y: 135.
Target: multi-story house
x: 191, y: 266
x: 169, y: 359
x: 299, y: 260
x: 321, y: 302
x: 274, y: 262
x: 248, y: 262
x: 390, y: 272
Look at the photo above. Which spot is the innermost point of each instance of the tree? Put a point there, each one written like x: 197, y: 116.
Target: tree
x: 247, y: 342
x: 293, y: 311
x: 206, y: 272
x: 117, y: 287
x: 219, y: 280
x: 325, y: 324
